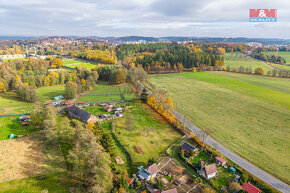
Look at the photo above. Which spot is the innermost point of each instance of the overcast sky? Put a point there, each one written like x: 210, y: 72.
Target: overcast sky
x: 214, y: 18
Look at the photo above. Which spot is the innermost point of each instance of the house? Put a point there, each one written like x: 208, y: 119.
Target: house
x: 81, y: 114
x: 119, y: 109
x: 144, y: 174
x: 250, y: 188
x: 108, y: 108
x: 153, y: 170
x: 173, y: 190
x: 220, y: 161
x: 25, y: 118
x: 186, y: 147
x: 210, y: 171
x: 56, y: 103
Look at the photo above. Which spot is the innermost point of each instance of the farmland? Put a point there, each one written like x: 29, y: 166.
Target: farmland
x: 74, y: 63
x: 248, y: 114
x: 235, y: 60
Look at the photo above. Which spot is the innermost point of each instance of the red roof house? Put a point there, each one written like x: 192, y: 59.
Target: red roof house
x: 220, y: 161
x: 250, y: 188
x: 210, y: 171
x: 153, y: 170
x: 173, y: 190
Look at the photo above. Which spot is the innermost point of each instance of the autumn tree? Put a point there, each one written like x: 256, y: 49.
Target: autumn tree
x: 71, y: 90
x: 120, y: 76
x: 259, y: 71
x: 57, y: 63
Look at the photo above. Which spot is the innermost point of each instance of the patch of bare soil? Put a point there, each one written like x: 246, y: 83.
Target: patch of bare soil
x: 27, y: 157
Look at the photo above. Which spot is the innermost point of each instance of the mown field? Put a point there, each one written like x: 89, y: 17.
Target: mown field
x: 285, y: 55
x: 71, y: 63
x: 234, y: 61
x: 248, y: 114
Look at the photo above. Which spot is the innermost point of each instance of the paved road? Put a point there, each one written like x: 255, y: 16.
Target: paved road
x: 281, y: 186
x: 234, y: 157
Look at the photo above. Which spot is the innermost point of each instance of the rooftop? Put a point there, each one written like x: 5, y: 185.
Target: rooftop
x: 210, y: 169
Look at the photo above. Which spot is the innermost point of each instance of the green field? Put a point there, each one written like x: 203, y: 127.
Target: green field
x: 11, y: 125
x: 11, y: 104
x: 148, y: 130
x: 53, y: 183
x: 234, y: 61
x: 71, y: 63
x: 47, y: 93
x: 285, y: 55
x: 248, y: 114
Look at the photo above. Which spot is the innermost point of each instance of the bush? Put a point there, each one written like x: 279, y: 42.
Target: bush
x: 182, y: 154
x: 138, y: 184
x: 259, y: 71
x: 244, y: 178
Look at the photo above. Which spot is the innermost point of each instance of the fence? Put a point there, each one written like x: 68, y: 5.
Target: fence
x: 15, y: 115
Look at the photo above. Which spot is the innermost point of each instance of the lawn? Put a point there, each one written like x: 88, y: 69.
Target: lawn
x: 251, y: 117
x: 223, y: 179
x: 11, y: 104
x: 284, y: 54
x: 53, y: 183
x: 47, y: 93
x: 74, y: 63
x: 144, y: 127
x: 234, y: 60
x: 11, y: 125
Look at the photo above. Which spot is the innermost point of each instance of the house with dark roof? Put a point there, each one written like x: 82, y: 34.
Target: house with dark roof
x: 144, y: 174
x: 186, y: 147
x: 210, y: 171
x: 81, y: 114
x: 250, y: 188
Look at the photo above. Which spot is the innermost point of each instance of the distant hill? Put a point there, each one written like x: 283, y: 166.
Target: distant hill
x: 167, y: 38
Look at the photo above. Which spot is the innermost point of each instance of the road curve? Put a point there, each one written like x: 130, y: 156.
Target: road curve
x: 274, y: 182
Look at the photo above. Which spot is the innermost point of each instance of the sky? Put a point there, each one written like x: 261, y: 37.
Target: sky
x: 192, y: 18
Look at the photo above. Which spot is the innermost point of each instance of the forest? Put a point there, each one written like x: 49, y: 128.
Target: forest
x: 169, y: 56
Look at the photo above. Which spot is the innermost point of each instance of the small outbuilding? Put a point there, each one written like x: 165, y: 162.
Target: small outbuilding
x: 186, y: 147
x: 232, y: 170
x: 220, y: 161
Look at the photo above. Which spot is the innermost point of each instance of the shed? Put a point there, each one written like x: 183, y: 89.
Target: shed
x: 232, y: 170
x: 57, y: 98
x: 220, y: 161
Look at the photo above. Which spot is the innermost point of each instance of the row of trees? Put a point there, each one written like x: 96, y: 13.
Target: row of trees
x: 88, y: 164
x: 269, y: 57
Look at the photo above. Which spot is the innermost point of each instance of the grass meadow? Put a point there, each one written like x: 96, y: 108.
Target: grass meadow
x: 11, y: 104
x: 47, y: 93
x: 105, y: 88
x: 53, y: 183
x: 144, y: 127
x: 249, y: 114
x: 234, y: 61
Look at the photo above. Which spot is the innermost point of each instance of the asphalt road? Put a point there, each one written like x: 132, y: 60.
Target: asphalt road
x: 281, y: 186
